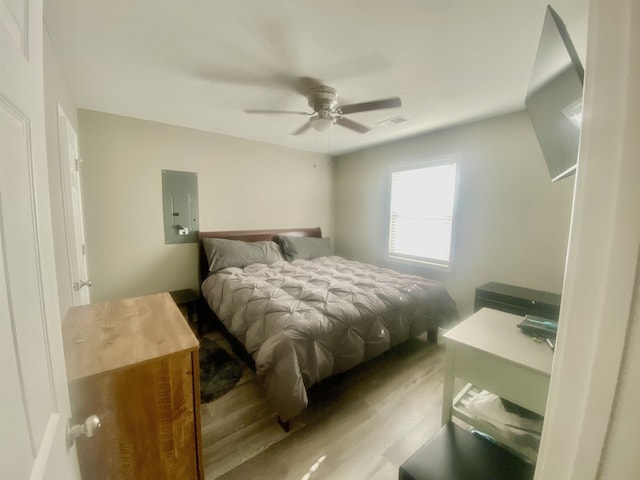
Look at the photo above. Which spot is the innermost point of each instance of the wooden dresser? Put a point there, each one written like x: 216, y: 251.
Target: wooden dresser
x: 134, y: 363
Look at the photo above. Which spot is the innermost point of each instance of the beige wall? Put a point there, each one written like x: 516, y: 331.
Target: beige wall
x: 57, y: 93
x: 242, y: 185
x: 512, y: 222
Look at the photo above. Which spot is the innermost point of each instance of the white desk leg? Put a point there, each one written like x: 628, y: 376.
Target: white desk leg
x: 447, y: 389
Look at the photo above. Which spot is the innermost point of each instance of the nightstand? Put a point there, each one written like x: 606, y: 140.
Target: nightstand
x: 517, y: 300
x: 189, y: 299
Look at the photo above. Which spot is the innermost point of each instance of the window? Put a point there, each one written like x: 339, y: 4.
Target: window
x: 421, y: 212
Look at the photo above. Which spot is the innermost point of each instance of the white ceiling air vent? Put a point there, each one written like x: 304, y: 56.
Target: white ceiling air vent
x: 389, y: 122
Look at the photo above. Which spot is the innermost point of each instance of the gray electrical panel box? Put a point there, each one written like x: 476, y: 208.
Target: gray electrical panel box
x: 180, y: 206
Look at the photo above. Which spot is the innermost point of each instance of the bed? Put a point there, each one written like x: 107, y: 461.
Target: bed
x: 298, y: 314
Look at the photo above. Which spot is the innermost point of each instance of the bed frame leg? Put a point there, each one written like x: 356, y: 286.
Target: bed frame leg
x: 284, y: 425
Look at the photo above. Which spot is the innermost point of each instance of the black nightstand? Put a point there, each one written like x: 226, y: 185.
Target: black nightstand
x: 189, y: 299
x: 517, y: 300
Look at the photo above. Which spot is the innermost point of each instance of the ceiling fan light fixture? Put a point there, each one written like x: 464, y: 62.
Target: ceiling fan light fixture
x: 322, y: 123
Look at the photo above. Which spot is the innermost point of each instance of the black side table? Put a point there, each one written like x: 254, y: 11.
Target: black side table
x: 187, y: 298
x: 518, y: 300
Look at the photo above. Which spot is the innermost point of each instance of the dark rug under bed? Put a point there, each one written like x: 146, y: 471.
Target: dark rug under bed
x: 219, y: 371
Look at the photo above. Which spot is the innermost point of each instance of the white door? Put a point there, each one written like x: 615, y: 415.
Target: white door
x: 34, y: 399
x: 73, y: 217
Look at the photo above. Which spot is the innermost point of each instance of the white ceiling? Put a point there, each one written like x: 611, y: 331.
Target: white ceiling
x: 199, y: 64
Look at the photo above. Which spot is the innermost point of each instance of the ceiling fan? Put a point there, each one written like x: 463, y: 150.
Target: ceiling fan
x: 327, y: 112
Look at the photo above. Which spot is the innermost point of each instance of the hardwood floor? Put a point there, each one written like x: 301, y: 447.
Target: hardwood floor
x: 360, y: 425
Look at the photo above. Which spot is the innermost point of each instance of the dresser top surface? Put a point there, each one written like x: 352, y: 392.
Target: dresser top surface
x: 106, y: 336
x: 495, y: 332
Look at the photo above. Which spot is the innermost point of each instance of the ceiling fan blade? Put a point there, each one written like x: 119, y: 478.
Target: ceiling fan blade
x: 302, y: 129
x: 374, y: 105
x: 292, y: 112
x: 350, y: 124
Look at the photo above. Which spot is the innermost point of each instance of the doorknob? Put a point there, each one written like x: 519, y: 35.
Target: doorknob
x: 88, y: 428
x: 78, y: 285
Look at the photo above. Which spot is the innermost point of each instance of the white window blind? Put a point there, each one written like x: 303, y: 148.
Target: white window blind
x: 421, y: 217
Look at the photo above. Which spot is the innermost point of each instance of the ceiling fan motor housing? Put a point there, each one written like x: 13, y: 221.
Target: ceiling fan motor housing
x: 322, y: 99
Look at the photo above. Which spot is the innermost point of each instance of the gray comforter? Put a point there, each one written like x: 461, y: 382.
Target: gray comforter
x: 305, y: 320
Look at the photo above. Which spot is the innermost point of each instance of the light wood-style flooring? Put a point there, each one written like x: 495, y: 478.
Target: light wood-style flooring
x: 362, y: 424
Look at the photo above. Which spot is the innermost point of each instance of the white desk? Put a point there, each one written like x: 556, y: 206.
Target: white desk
x: 489, y: 351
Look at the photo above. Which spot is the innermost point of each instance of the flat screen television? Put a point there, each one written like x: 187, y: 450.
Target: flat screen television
x: 554, y: 97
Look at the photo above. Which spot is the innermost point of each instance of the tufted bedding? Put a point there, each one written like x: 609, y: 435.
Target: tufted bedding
x: 305, y: 320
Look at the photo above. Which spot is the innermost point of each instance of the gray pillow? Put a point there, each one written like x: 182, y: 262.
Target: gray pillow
x: 223, y: 253
x: 304, y: 248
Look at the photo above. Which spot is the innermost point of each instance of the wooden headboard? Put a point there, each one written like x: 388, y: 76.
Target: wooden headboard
x: 249, y: 236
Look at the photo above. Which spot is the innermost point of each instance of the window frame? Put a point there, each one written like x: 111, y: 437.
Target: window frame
x: 423, y: 262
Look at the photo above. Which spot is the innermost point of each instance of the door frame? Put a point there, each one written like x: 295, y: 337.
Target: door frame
x: 600, y: 284
x: 72, y: 209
